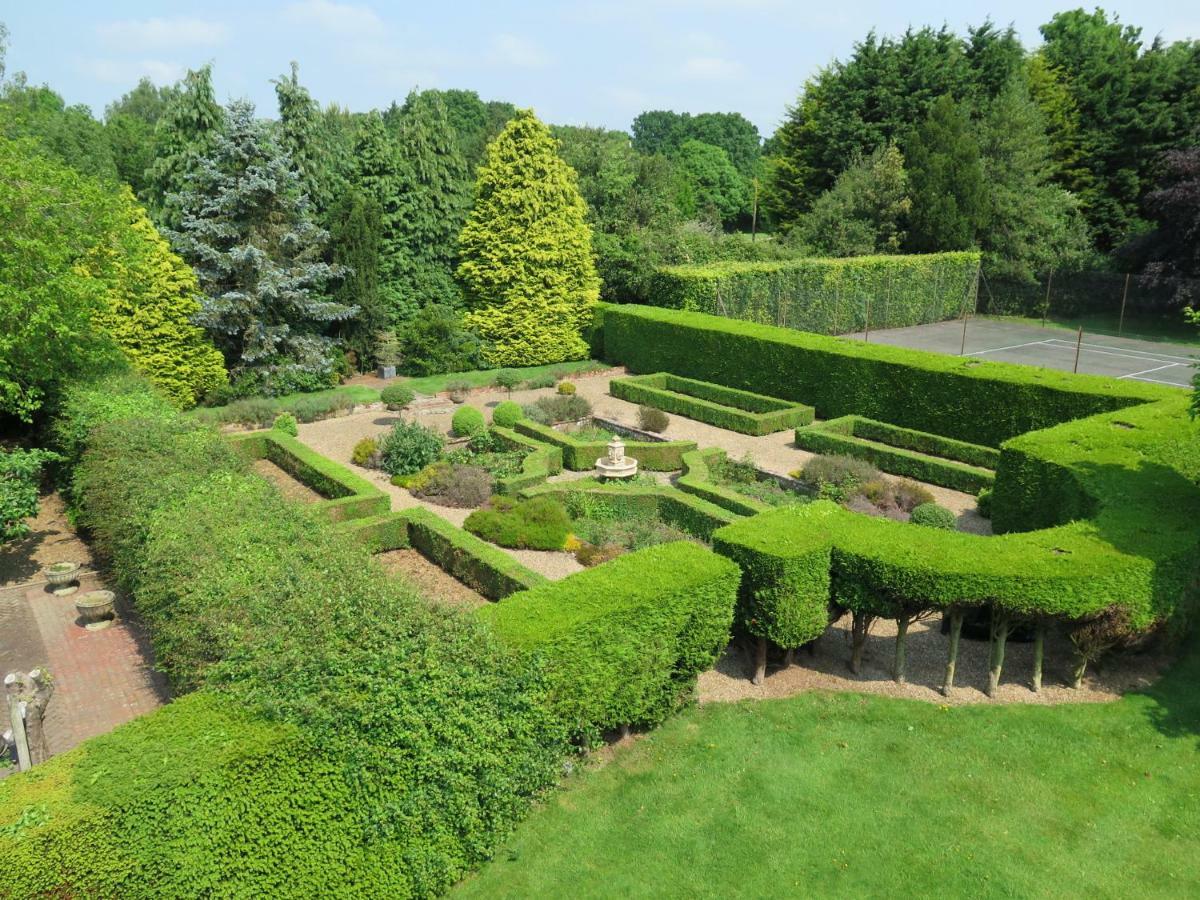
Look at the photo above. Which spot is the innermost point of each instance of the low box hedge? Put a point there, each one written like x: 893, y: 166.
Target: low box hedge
x: 542, y: 461
x: 348, y: 496
x: 581, y: 456
x: 622, y: 644
x: 697, y: 479
x: 741, y: 411
x: 904, y: 451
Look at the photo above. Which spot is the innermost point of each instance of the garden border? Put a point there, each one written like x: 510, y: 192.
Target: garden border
x: 736, y: 410
x: 581, y: 456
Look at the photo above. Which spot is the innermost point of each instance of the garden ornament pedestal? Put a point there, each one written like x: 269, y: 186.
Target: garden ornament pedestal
x: 97, y: 609
x: 63, y: 578
x: 616, y: 464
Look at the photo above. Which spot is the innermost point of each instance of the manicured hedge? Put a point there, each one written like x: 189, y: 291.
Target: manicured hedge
x: 474, y: 562
x: 697, y: 479
x: 826, y: 296
x: 622, y: 643
x: 542, y: 461
x: 903, y: 451
x: 581, y: 456
x: 690, y: 514
x: 348, y: 496
x: 741, y: 411
x: 965, y: 398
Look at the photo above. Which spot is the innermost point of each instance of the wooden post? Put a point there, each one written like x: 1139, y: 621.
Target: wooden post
x: 962, y: 351
x: 1039, y: 646
x: 901, y: 640
x: 1124, y: 297
x: 1078, y: 347
x: 1046, y: 305
x: 16, y: 718
x: 956, y: 621
x: 867, y: 322
x: 754, y: 213
x: 760, y: 663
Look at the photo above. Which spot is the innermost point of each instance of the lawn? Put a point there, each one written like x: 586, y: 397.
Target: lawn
x: 850, y: 795
x: 432, y: 384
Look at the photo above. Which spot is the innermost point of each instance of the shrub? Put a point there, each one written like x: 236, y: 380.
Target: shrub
x: 983, y: 503
x: 506, y: 414
x: 396, y: 396
x: 366, y: 452
x: 20, y: 483
x: 537, y: 382
x: 651, y: 419
x: 535, y: 413
x: 540, y: 523
x: 564, y: 408
x: 467, y: 422
x: 88, y: 404
x: 286, y: 423
x: 837, y: 477
x: 565, y: 387
x: 463, y: 487
x: 458, y: 390
x: 933, y: 516
x: 507, y: 379
x: 593, y: 555
x: 433, y: 342
x: 409, y: 447
x: 909, y: 495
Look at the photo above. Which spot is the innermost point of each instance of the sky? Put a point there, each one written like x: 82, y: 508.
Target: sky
x: 591, y: 62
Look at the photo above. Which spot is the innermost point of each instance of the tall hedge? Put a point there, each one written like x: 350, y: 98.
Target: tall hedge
x: 969, y: 399
x: 826, y: 296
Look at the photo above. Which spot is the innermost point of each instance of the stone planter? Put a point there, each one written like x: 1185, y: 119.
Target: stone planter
x: 386, y: 372
x: 97, y: 609
x: 63, y: 578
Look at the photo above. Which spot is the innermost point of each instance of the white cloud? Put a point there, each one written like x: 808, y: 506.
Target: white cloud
x: 144, y: 34
x: 513, y: 50
x: 710, y: 67
x: 339, y: 18
x: 126, y: 72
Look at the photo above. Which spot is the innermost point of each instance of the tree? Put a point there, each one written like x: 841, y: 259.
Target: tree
x: 664, y: 132
x: 298, y: 117
x: 53, y: 217
x: 378, y: 175
x: 187, y: 130
x: 1173, y: 248
x: 714, y: 188
x: 434, y: 196
x: 354, y: 242
x: 151, y: 296
x: 475, y: 122
x: 946, y: 180
x: 68, y: 133
x: 864, y: 211
x: 129, y: 124
x: 527, y: 270
x: 247, y: 228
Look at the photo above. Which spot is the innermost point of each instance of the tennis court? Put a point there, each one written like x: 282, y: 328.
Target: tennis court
x: 1051, y: 348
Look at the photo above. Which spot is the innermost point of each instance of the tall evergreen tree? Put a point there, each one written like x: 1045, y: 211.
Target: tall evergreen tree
x: 434, y: 196
x: 865, y: 210
x: 187, y: 130
x: 129, y: 124
x: 298, y: 127
x: 377, y: 174
x: 946, y: 180
x: 527, y: 268
x: 247, y: 229
x: 354, y: 233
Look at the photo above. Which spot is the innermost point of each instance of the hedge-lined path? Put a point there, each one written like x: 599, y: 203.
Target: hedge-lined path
x: 827, y: 669
x: 101, y: 678
x: 430, y: 579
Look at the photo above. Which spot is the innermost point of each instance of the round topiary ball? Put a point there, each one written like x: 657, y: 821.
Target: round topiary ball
x: 507, y: 414
x: 566, y: 387
x: 467, y: 422
x: 396, y: 396
x: 286, y: 423
x: 933, y: 516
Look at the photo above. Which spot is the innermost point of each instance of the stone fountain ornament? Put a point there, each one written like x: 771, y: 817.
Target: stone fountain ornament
x: 616, y: 464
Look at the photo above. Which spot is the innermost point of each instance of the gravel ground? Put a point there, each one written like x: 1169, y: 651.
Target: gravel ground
x: 50, y: 540
x: 827, y: 669
x: 430, y: 580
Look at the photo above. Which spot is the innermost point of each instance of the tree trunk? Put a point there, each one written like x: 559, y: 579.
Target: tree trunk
x: 1080, y: 668
x: 901, y: 646
x: 858, y: 640
x: 787, y: 657
x: 760, y: 663
x: 999, y: 639
x: 1039, y: 646
x: 956, y: 620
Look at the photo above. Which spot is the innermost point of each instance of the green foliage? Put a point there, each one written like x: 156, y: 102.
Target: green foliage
x: 467, y: 421
x: 724, y: 407
x: 700, y: 478
x: 904, y: 451
x: 983, y: 503
x: 640, y: 498
x: 450, y: 484
x: 67, y: 134
x: 539, y: 462
x: 712, y: 188
x: 527, y: 269
x: 565, y: 387
x: 434, y: 342
x: 933, y: 516
x: 968, y: 399
x: 947, y: 181
x: 129, y: 128
x: 564, y: 408
x: 664, y: 132
x: 248, y: 228
x: 286, y: 423
x: 364, y: 451
x: 506, y: 414
x: 865, y: 211
x: 20, y: 484
x: 409, y: 447
x: 580, y: 454
x: 87, y: 405
x: 540, y: 523
x: 354, y: 242
x: 652, y: 419
x: 396, y: 396
x: 826, y: 296
x: 622, y: 644
x: 261, y: 411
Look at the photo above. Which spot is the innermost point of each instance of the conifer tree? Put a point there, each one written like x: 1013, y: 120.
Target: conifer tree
x: 527, y: 268
x: 186, y: 131
x: 298, y: 127
x: 354, y: 244
x: 377, y: 174
x: 247, y: 229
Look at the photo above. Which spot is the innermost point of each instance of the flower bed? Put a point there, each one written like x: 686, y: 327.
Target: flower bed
x: 736, y: 410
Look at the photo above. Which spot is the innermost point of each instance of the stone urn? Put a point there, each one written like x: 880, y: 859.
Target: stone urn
x: 63, y: 578
x: 616, y: 464
x: 97, y: 609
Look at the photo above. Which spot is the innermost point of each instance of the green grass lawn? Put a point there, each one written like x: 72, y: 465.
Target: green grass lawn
x: 851, y: 795
x: 432, y: 384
